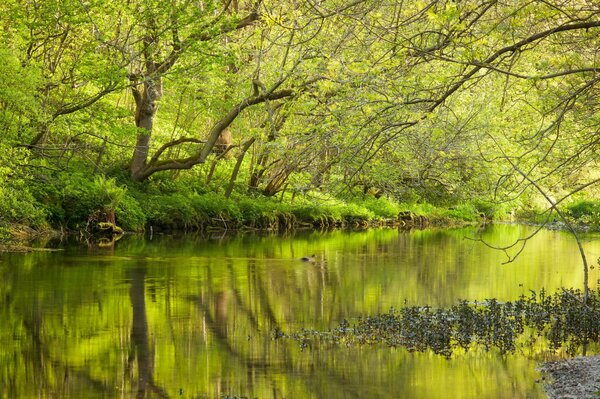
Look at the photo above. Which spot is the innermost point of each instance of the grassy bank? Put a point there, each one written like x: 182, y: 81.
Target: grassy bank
x: 78, y: 203
x: 582, y: 214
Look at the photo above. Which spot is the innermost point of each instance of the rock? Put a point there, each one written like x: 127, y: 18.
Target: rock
x: 572, y: 378
x: 107, y: 229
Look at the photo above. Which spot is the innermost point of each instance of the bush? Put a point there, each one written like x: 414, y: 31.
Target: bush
x: 494, y: 210
x: 130, y: 216
x: 581, y: 208
x: 212, y: 208
x: 380, y: 207
x: 352, y: 212
x: 71, y: 199
x: 466, y: 212
x: 83, y: 197
x: 169, y: 211
x: 17, y: 203
x: 264, y: 212
x: 190, y: 210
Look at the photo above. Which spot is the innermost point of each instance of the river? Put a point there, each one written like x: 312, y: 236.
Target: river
x: 193, y: 317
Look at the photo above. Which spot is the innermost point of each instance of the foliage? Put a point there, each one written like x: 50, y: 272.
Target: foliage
x: 169, y: 211
x: 265, y: 212
x: 564, y: 318
x: 17, y: 204
x: 494, y: 210
x: 189, y: 210
x: 381, y: 207
x: 404, y: 105
x: 129, y: 214
x: 584, y: 208
x: 465, y: 212
x: 73, y: 199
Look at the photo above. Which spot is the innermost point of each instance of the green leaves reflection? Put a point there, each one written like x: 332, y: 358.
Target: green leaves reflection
x: 192, y: 317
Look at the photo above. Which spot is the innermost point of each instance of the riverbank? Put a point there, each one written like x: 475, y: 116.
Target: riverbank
x: 576, y: 378
x: 209, y: 212
x: 18, y: 238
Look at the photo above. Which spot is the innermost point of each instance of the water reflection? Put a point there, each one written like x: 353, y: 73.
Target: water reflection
x: 190, y: 317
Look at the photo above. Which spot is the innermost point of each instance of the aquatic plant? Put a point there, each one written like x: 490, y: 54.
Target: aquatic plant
x: 563, y: 318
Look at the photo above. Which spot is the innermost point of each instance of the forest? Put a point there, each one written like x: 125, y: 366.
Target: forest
x: 185, y: 114
x: 280, y: 119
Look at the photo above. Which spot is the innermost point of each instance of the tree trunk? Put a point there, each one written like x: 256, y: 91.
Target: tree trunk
x: 238, y: 164
x: 141, y: 168
x: 144, y: 119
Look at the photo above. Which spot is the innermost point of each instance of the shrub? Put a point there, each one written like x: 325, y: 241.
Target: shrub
x: 17, y: 203
x: 466, y: 212
x: 264, y: 212
x: 583, y: 208
x: 81, y: 197
x: 494, y: 210
x: 190, y: 210
x: 380, y: 207
x: 169, y: 211
x: 130, y: 215
x: 351, y: 212
x: 214, y: 206
x: 312, y: 213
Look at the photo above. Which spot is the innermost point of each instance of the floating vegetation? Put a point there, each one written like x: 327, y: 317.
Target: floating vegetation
x: 564, y: 318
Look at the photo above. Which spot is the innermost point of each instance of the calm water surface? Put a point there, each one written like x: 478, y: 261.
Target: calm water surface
x: 193, y: 317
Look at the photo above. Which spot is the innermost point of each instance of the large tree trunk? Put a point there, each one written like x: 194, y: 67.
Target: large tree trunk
x: 147, y: 90
x: 145, y: 102
x: 142, y: 168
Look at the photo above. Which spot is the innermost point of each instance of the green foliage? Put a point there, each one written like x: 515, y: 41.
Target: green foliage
x: 315, y: 214
x: 584, y: 208
x: 215, y: 207
x: 18, y: 95
x: 169, y: 211
x: 17, y: 204
x: 466, y: 212
x: 493, y: 210
x: 584, y: 213
x: 263, y: 212
x: 380, y: 207
x: 354, y: 212
x: 72, y: 199
x: 463, y: 212
x: 130, y: 215
x: 109, y: 194
x: 190, y: 210
x: 329, y: 214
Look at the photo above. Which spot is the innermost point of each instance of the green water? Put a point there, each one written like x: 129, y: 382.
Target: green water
x: 192, y: 317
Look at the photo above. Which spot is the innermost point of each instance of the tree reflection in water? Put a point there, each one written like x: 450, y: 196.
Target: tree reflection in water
x: 194, y: 318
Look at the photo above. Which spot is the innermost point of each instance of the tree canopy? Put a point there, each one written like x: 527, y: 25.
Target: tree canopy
x: 437, y: 100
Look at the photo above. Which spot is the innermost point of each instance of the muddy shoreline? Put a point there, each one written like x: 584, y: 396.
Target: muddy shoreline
x: 577, y: 378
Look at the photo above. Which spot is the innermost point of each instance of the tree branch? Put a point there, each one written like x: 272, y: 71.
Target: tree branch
x: 155, y: 165
x: 510, y: 49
